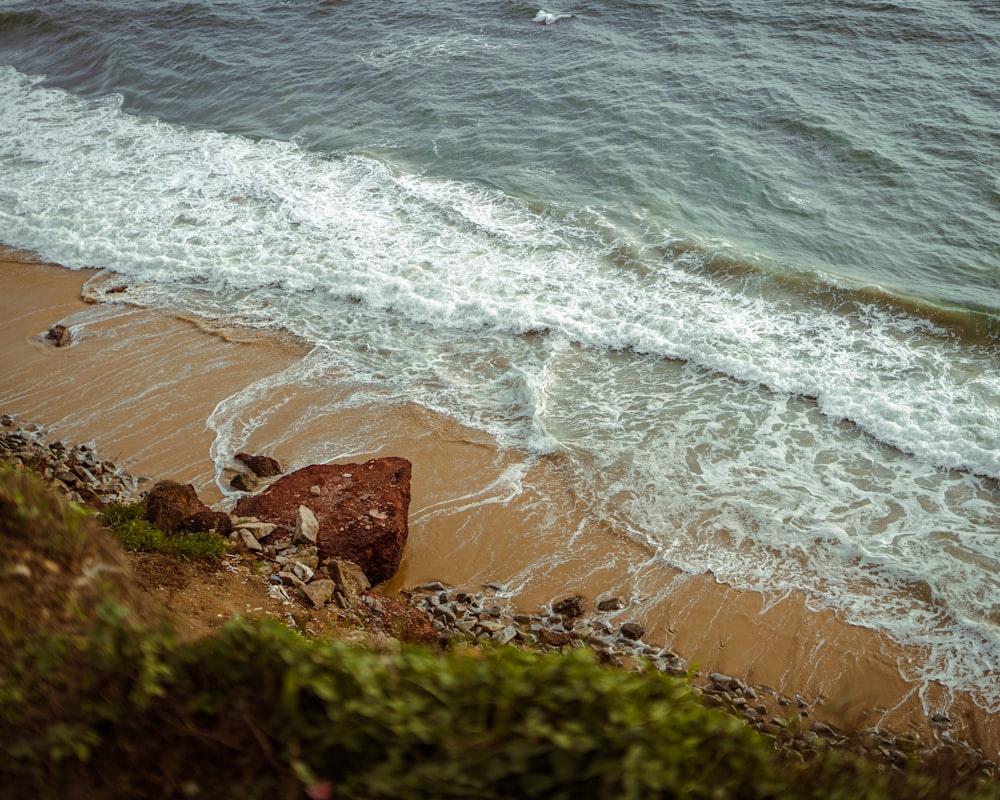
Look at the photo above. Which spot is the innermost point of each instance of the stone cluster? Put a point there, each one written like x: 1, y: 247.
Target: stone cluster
x: 485, y: 615
x: 76, y: 471
x: 293, y: 565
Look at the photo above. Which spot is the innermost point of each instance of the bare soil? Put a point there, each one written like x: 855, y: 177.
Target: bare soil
x: 200, y: 596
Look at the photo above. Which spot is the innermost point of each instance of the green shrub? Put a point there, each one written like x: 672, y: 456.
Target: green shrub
x: 258, y: 710
x: 128, y: 524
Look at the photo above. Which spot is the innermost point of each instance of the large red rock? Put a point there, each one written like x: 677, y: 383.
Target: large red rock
x: 362, y: 510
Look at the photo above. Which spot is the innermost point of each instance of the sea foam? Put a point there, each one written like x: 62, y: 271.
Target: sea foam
x: 774, y: 438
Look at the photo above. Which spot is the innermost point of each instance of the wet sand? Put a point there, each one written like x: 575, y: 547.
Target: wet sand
x: 142, y: 384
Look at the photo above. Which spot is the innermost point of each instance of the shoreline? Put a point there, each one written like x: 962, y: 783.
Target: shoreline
x: 142, y: 384
x: 206, y: 595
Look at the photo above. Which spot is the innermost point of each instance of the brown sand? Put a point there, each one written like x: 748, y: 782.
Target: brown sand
x: 141, y: 384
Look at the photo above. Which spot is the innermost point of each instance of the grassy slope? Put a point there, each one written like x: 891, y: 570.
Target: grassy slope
x: 98, y: 698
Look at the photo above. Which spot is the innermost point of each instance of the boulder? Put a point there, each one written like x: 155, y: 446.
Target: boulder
x: 361, y: 510
x: 261, y: 466
x: 174, y: 507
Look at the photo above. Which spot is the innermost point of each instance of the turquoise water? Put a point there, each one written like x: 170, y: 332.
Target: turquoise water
x: 733, y: 266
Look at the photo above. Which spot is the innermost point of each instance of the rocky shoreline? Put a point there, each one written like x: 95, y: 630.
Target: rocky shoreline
x: 485, y: 615
x: 75, y: 471
x: 295, y: 574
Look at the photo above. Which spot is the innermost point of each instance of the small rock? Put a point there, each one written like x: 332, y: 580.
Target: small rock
x: 349, y: 579
x: 632, y: 630
x: 243, y: 482
x: 302, y: 571
x: 68, y: 478
x: 292, y: 578
x: 507, y: 635
x: 250, y: 540
x: 306, y: 526
x: 278, y: 593
x: 261, y: 466
x: 314, y: 490
x: 19, y: 571
x: 569, y: 607
x: 306, y: 559
x: 373, y: 603
x: 553, y: 638
x: 59, y: 335
x: 259, y: 529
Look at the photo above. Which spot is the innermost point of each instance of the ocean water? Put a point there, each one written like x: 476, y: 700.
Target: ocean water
x: 733, y: 267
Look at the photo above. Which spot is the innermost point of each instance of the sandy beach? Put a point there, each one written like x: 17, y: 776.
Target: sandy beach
x: 142, y: 385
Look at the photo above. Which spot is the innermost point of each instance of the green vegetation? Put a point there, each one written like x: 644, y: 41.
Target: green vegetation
x: 128, y: 524
x: 104, y: 703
